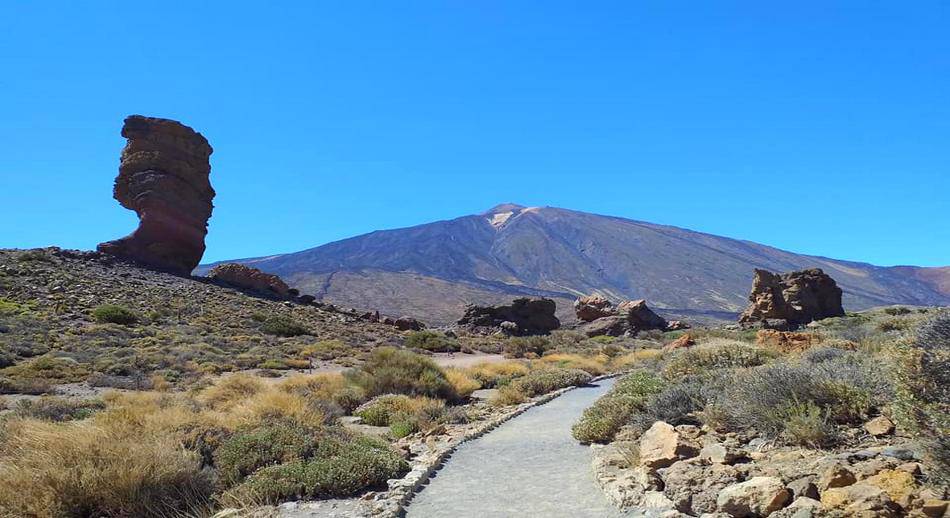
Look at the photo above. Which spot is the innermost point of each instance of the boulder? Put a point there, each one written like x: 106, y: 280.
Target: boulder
x: 693, y: 486
x: 640, y: 316
x: 661, y: 446
x: 680, y: 343
x: 879, y: 426
x: 164, y: 177
x: 592, y: 307
x: 408, y: 324
x: 606, y: 326
x: 796, y: 297
x: 245, y: 277
x: 718, y: 453
x: 934, y: 507
x: 858, y: 500
x: 834, y: 476
x: 899, y: 485
x: 758, y: 496
x: 530, y: 316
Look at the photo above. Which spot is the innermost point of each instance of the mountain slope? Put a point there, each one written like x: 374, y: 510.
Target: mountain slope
x: 432, y: 270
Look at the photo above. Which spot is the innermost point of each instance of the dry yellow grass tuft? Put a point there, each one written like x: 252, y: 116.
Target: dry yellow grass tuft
x: 462, y: 382
x: 83, y: 468
x: 630, y: 359
x: 595, y: 365
x: 490, y: 374
x: 232, y: 390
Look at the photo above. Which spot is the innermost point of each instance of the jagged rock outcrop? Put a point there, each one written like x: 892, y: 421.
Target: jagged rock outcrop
x: 164, y: 177
x: 592, y: 307
x: 248, y: 278
x: 796, y: 298
x: 524, y: 316
x: 601, y: 318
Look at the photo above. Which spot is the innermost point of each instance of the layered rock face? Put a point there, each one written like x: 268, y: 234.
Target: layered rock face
x: 164, y: 177
x: 600, y: 317
x: 249, y: 278
x: 796, y: 298
x: 524, y: 316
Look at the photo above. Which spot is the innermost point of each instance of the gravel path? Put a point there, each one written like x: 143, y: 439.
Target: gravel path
x: 529, y: 466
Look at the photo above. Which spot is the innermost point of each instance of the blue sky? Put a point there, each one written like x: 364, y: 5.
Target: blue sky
x: 818, y: 127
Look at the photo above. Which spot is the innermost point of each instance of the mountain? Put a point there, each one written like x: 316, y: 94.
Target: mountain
x: 431, y: 271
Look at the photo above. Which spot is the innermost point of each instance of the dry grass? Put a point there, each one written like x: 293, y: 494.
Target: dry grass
x: 595, y: 365
x: 492, y: 374
x: 634, y: 358
x: 463, y: 383
x: 86, y: 469
x: 508, y: 395
x: 232, y: 390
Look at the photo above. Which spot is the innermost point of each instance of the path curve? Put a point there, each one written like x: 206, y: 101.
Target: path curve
x: 528, y: 466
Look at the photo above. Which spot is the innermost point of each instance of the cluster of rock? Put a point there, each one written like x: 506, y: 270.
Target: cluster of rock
x: 164, y: 177
x: 248, y: 278
x: 690, y: 471
x: 524, y: 316
x: 788, y: 300
x: 600, y: 317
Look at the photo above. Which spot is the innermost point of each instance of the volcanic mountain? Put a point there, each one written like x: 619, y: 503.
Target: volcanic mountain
x: 431, y: 271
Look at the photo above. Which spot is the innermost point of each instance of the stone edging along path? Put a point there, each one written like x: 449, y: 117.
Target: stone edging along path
x: 392, y: 504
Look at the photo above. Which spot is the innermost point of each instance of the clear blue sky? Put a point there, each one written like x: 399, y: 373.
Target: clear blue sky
x: 819, y: 127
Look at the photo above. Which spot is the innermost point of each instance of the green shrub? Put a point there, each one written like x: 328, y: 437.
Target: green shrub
x: 113, y: 314
x: 675, y: 404
x: 249, y: 450
x: 526, y: 346
x: 845, y: 390
x: 431, y: 341
x: 57, y: 409
x: 806, y: 424
x: 340, y: 465
x: 716, y: 354
x: 601, y: 422
x: 897, y: 311
x: 923, y: 393
x: 283, y: 326
x: 393, y: 371
x: 546, y: 380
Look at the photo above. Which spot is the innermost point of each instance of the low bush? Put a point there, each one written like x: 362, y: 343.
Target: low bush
x: 508, y: 395
x: 283, y: 326
x: 57, y: 409
x: 806, y: 424
x: 113, y: 314
x: 715, y: 354
x: 383, y: 410
x: 495, y: 374
x: 393, y: 371
x: 922, y: 400
x: 431, y: 341
x: 897, y: 311
x: 249, y: 450
x: 330, y: 388
x: 601, y: 421
x: 31, y: 386
x: 676, y: 404
x: 338, y: 465
x: 526, y: 346
x: 638, y: 358
x: 232, y: 390
x: 546, y: 380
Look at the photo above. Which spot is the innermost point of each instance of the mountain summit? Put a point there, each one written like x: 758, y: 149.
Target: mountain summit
x: 431, y: 271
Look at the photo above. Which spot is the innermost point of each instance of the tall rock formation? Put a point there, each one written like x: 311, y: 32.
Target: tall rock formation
x: 164, y: 177
x: 524, y: 316
x: 795, y: 297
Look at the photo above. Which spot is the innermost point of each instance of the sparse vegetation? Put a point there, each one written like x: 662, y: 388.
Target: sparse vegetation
x: 431, y: 341
x: 283, y: 326
x: 113, y: 314
x: 601, y: 422
x: 393, y: 371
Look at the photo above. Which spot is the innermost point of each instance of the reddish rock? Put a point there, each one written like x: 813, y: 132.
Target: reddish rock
x: 592, y: 307
x: 676, y: 325
x: 796, y: 297
x: 786, y: 341
x: 164, y: 177
x: 680, y: 343
x: 248, y: 278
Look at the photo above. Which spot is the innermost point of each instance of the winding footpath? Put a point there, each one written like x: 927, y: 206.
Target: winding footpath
x: 529, y: 466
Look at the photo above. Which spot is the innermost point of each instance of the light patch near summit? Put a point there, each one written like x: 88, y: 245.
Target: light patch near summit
x: 500, y: 218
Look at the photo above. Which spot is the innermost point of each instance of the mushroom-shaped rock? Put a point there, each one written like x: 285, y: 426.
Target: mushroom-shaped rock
x: 164, y: 177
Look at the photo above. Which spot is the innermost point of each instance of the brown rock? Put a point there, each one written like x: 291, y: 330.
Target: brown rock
x: 786, y: 341
x: 899, y: 485
x: 607, y: 326
x: 248, y: 278
x: 592, y: 307
x: 408, y: 324
x: 640, y: 316
x: 164, y: 177
x: 796, y: 297
x: 758, y: 496
x: 676, y: 325
x: 661, y: 446
x: 879, y: 426
x: 530, y: 316
x: 935, y: 508
x: 836, y: 476
x: 862, y: 500
x: 680, y: 343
